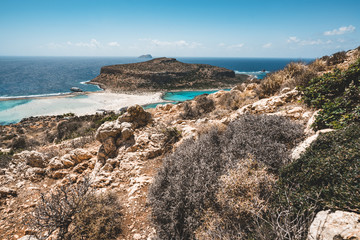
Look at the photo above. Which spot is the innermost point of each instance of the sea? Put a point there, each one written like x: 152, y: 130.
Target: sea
x: 22, y: 79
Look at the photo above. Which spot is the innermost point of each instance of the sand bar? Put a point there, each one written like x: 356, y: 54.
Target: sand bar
x: 84, y: 104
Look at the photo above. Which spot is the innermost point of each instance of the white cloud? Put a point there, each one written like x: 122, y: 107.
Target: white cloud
x: 240, y: 45
x: 179, y: 43
x: 314, y: 42
x: 113, y: 44
x: 293, y: 40
x: 267, y: 45
x: 340, y: 31
x: 221, y: 44
x: 307, y: 42
x: 92, y: 44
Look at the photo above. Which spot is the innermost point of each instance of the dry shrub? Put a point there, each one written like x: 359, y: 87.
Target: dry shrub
x: 235, y: 99
x: 242, y: 196
x: 318, y: 65
x: 294, y: 74
x: 188, y: 185
x: 74, y: 211
x: 100, y: 219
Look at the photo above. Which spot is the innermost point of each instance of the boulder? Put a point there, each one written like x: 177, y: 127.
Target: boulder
x: 55, y: 164
x: 135, y: 115
x: 107, y: 130
x: 79, y: 155
x: 31, y: 158
x: 338, y: 225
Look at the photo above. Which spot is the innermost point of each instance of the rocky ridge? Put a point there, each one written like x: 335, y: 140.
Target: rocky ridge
x: 165, y: 74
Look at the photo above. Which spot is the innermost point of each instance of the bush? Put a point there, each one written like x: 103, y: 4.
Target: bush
x: 73, y: 211
x: 242, y: 196
x: 337, y: 94
x: 267, y: 138
x: 100, y: 219
x: 292, y: 75
x: 184, y: 186
x: 328, y: 173
x: 5, y: 159
x: 187, y: 184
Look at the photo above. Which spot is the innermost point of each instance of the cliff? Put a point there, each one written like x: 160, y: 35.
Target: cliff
x: 165, y: 74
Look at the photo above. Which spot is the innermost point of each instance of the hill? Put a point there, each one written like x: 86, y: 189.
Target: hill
x: 165, y: 74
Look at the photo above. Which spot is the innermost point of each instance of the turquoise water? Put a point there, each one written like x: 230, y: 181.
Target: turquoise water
x: 4, y: 105
x: 185, y: 95
x: 153, y: 105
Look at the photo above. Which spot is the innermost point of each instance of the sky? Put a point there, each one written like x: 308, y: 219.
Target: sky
x: 179, y: 28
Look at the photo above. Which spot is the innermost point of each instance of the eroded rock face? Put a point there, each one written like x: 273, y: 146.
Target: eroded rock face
x: 117, y: 133
x: 338, y: 225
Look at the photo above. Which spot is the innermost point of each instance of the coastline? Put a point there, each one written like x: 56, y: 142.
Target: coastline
x: 80, y: 104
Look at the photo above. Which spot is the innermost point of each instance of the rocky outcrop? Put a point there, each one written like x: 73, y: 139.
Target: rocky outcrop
x: 338, y: 225
x: 165, y: 74
x: 115, y: 134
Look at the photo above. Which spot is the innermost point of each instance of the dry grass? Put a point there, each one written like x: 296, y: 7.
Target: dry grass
x: 292, y: 75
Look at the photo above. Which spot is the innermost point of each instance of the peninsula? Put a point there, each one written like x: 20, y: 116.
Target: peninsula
x: 165, y: 74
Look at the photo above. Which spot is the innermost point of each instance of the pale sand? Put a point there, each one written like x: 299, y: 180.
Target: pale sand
x: 79, y: 105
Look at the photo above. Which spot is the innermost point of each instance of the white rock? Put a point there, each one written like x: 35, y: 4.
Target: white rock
x: 299, y: 149
x: 335, y: 225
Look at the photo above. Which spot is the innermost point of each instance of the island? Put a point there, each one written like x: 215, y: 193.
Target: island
x: 146, y: 56
x: 165, y: 74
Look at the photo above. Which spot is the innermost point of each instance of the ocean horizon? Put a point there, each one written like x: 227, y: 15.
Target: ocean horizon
x: 31, y: 77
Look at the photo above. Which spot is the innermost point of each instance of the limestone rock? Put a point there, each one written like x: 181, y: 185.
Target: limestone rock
x: 135, y: 115
x: 79, y: 155
x: 31, y: 158
x: 301, y: 148
x: 55, y: 164
x: 107, y: 130
x: 337, y: 225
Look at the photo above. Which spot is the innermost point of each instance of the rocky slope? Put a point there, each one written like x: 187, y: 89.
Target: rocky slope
x: 165, y: 74
x: 126, y: 152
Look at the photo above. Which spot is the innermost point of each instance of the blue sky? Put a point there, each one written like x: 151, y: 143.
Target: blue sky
x: 200, y: 28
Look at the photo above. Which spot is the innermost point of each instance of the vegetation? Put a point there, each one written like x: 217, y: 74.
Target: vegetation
x: 187, y: 188
x: 292, y: 75
x: 327, y: 174
x: 337, y: 94
x: 74, y: 211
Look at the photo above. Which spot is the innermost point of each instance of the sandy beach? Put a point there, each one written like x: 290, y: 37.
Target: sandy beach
x: 80, y: 104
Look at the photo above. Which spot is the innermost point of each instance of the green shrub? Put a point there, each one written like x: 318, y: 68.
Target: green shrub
x: 337, y: 94
x: 187, y: 184
x: 328, y: 173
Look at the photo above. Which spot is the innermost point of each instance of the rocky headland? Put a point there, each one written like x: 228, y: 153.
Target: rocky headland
x: 129, y: 153
x: 165, y: 74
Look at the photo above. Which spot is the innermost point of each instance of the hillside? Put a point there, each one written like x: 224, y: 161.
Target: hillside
x: 261, y: 161
x: 165, y: 74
